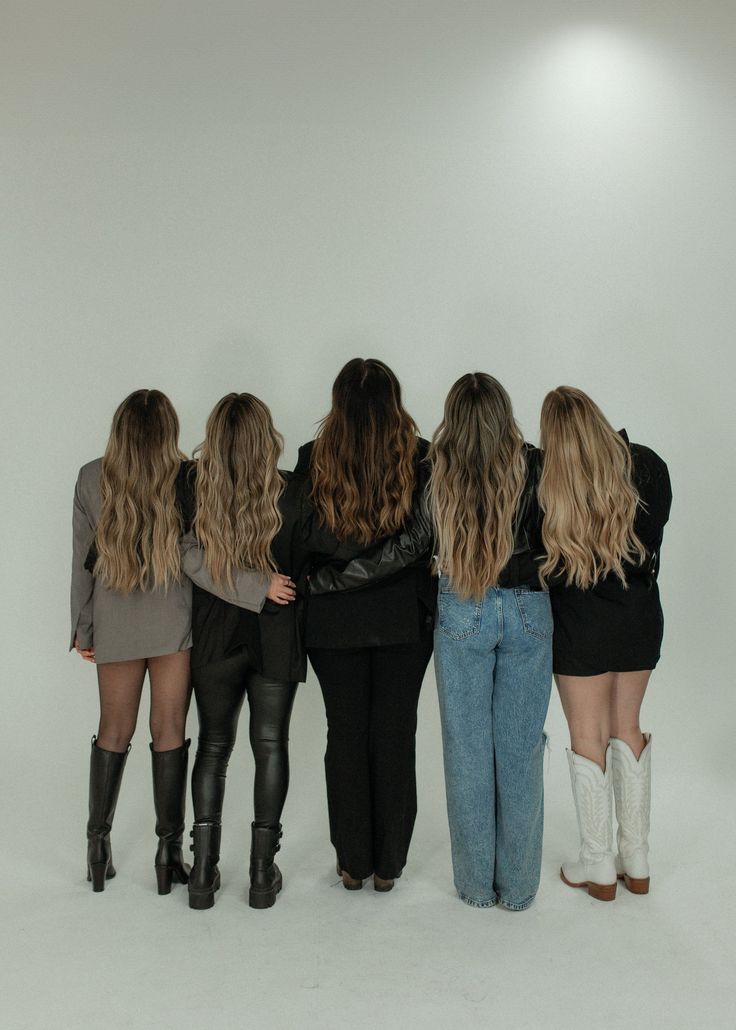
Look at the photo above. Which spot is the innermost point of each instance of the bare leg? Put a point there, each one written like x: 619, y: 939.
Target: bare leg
x: 586, y: 702
x: 120, y: 685
x: 170, y: 692
x: 626, y: 700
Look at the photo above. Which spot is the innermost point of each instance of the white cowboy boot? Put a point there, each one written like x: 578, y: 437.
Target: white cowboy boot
x: 632, y: 790
x: 595, y: 869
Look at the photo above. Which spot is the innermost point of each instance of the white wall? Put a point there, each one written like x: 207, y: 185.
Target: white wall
x: 216, y: 196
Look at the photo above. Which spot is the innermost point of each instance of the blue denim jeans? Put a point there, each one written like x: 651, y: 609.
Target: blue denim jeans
x: 493, y: 660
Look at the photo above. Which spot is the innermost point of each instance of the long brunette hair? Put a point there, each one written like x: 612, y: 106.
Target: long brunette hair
x: 363, y: 461
x: 137, y: 538
x: 478, y: 473
x: 586, y: 492
x: 238, y: 487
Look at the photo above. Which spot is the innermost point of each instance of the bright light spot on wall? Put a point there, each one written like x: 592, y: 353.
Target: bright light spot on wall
x: 596, y: 69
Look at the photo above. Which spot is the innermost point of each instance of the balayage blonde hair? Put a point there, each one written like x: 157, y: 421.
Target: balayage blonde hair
x: 137, y: 538
x: 363, y: 463
x: 478, y: 473
x: 586, y: 492
x: 238, y: 487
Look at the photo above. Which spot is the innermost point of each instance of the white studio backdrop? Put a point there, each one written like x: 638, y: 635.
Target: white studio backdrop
x: 205, y: 197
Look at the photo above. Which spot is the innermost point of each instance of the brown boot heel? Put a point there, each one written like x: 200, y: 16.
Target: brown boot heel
x: 636, y: 886
x: 602, y: 891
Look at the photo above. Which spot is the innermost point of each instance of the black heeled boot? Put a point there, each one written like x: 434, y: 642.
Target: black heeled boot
x: 204, y: 878
x: 265, y: 876
x: 169, y: 799
x: 105, y: 776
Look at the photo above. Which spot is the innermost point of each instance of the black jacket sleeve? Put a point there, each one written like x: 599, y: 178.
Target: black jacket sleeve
x: 653, y: 483
x: 652, y: 480
x: 383, y: 560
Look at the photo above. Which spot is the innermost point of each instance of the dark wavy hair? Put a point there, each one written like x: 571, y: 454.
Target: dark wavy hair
x: 363, y: 464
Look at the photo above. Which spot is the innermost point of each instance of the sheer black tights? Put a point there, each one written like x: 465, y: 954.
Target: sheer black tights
x: 121, y: 685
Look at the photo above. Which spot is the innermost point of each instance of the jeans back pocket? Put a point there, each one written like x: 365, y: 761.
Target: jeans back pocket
x: 457, y: 618
x: 535, y: 611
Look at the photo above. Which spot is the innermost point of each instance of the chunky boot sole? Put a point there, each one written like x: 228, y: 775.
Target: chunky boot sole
x: 98, y: 873
x: 166, y: 875
x: 599, y: 891
x: 202, y: 899
x: 265, y: 897
x: 633, y: 885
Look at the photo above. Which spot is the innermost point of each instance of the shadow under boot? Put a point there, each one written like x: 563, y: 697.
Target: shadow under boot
x: 265, y: 876
x: 105, y: 776
x: 169, y: 798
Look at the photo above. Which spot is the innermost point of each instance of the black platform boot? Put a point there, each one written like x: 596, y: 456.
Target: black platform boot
x: 105, y: 776
x: 265, y: 876
x: 169, y: 798
x: 204, y: 878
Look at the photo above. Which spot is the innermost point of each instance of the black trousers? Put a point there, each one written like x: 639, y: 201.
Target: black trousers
x: 219, y: 690
x: 371, y: 696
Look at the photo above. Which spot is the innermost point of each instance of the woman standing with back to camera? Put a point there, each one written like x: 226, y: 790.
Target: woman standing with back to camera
x: 605, y: 504
x: 236, y: 517
x: 493, y: 645
x: 369, y: 648
x: 131, y: 615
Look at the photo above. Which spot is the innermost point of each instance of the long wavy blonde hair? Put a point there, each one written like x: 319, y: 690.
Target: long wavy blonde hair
x: 137, y: 538
x: 363, y: 466
x: 586, y: 492
x: 238, y: 487
x: 478, y: 473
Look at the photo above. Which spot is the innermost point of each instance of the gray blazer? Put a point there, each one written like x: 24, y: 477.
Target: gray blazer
x: 144, y: 623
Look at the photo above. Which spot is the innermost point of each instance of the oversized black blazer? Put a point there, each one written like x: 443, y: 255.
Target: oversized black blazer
x: 393, y: 611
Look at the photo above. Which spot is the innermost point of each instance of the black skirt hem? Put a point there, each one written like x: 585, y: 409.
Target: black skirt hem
x: 647, y: 663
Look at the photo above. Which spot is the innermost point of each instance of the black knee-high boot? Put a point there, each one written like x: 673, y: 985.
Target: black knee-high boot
x: 105, y: 776
x: 265, y: 875
x: 169, y: 798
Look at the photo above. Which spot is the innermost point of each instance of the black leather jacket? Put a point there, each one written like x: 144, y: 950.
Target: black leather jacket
x: 417, y: 540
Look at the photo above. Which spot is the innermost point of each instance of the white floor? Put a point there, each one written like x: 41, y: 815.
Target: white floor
x: 327, y: 958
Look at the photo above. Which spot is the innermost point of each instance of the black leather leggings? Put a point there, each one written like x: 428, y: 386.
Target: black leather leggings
x: 219, y: 690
